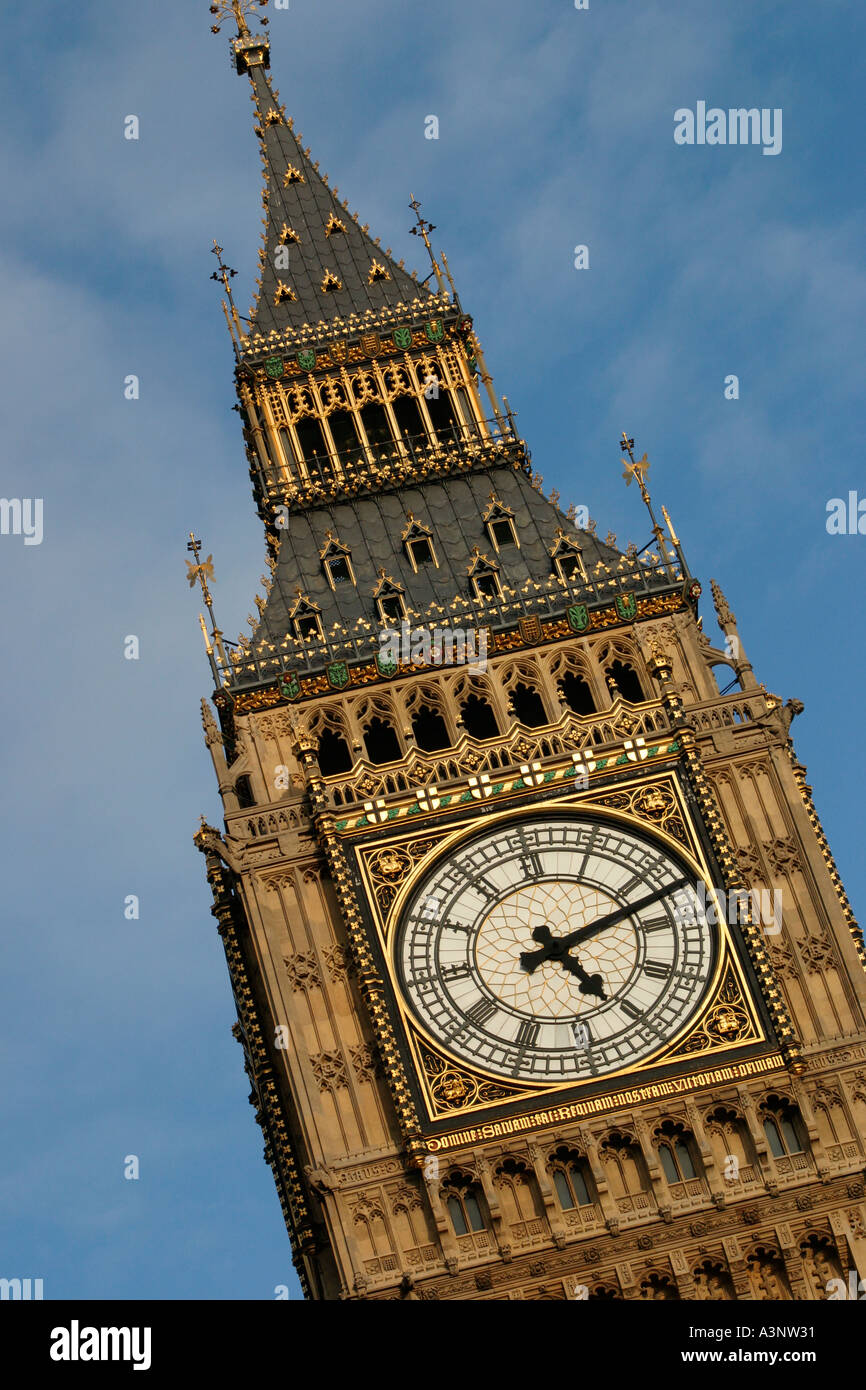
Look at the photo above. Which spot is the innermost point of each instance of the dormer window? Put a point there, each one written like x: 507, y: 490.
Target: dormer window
x: 339, y: 571
x: 306, y: 621
x: 484, y: 577
x: 499, y: 521
x: 390, y: 600
x: 392, y: 609
x: 567, y: 558
x: 418, y: 544
x: 421, y: 551
x: 336, y: 562
x: 488, y: 586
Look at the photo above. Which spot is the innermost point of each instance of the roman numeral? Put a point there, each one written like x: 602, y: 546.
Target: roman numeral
x: 527, y: 1033
x: 481, y: 1010
x: 658, y: 924
x: 455, y: 972
x: 657, y: 970
x: 530, y: 865
x: 629, y: 1008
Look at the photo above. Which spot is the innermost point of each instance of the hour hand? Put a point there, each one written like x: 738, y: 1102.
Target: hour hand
x: 589, y: 984
x: 529, y: 960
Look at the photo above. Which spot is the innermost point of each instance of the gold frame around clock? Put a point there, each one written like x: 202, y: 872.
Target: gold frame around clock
x: 391, y: 867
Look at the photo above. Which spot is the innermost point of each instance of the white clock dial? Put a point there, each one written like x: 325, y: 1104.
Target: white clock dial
x: 508, y: 956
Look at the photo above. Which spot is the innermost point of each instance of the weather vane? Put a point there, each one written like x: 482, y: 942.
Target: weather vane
x: 225, y: 9
x: 638, y: 469
x: 202, y: 571
x: 223, y: 275
x: 423, y: 230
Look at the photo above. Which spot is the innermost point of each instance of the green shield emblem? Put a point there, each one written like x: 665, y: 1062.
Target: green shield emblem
x: 626, y: 605
x: 306, y: 359
x: 403, y: 337
x: 275, y: 366
x: 578, y: 617
x: 384, y: 666
x: 289, y: 685
x: 434, y: 330
x: 338, y: 674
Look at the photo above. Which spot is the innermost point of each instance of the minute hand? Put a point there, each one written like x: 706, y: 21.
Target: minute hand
x: 584, y: 933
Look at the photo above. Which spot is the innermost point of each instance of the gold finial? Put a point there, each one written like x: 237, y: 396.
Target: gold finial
x: 224, y: 9
x: 202, y: 570
x: 224, y: 275
x: 637, y: 469
x: 423, y: 230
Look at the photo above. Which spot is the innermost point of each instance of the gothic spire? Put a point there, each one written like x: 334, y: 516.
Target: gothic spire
x: 318, y: 265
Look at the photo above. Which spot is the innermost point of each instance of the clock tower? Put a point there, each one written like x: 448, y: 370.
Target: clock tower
x: 546, y: 982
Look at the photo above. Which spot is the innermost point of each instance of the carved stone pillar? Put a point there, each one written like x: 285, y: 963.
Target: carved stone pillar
x: 790, y: 1252
x: 849, y: 1230
x: 608, y: 1205
x: 708, y: 1158
x: 737, y: 1266
x: 626, y: 1280
x: 657, y: 1178
x: 682, y: 1275
x: 558, y: 1228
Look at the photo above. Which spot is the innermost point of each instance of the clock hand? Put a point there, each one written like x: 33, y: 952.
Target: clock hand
x: 589, y: 984
x: 555, y: 948
x: 574, y: 938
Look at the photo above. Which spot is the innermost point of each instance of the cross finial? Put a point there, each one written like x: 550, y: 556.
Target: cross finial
x: 223, y: 275
x: 423, y: 230
x: 239, y: 9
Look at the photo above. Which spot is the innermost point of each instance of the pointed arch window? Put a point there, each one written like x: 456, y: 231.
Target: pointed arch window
x: 333, y: 753
x: 284, y: 294
x: 293, y: 175
x: 377, y: 272
x: 336, y: 562
x: 461, y: 1195
x: 418, y: 544
x: 567, y: 557
x: 570, y: 1174
x: 781, y: 1127
x: 306, y: 619
x: 622, y: 679
x: 577, y: 693
x: 499, y: 522
x: 430, y: 729
x: 674, y: 1150
x: 478, y: 717
x: 334, y: 225
x: 330, y: 282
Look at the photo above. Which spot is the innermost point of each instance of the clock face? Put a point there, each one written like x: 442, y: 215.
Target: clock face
x: 555, y: 950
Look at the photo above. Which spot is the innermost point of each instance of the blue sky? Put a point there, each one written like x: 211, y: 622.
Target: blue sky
x: 556, y: 129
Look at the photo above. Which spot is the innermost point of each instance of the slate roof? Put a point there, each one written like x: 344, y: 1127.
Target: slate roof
x: 372, y: 529
x: 307, y: 207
